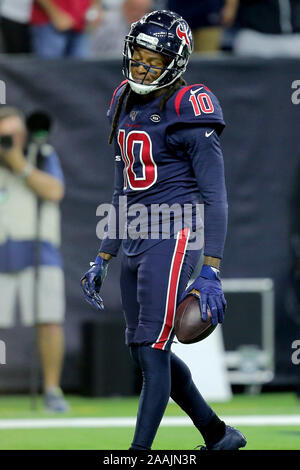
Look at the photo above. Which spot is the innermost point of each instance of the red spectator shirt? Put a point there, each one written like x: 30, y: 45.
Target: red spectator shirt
x: 76, y: 8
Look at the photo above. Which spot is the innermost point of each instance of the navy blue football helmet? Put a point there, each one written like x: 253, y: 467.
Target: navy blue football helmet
x: 164, y: 32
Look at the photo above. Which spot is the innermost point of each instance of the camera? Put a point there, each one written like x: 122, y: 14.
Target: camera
x: 6, y: 142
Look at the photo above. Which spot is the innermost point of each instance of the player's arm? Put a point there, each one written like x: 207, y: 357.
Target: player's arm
x: 205, y: 152
x: 195, y: 125
x: 92, y: 281
x: 111, y: 243
x: 202, y: 146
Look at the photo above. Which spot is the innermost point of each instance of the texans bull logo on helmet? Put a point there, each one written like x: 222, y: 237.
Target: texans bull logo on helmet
x: 183, y: 34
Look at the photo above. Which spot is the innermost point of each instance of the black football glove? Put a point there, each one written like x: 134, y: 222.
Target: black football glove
x: 208, y: 284
x: 92, y: 281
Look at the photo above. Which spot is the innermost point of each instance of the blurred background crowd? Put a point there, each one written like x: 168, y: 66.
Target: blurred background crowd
x: 93, y: 28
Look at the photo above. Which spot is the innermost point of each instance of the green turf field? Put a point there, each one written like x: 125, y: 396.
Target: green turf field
x: 259, y: 437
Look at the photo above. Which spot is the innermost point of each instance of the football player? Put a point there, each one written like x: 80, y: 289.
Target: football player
x: 167, y: 147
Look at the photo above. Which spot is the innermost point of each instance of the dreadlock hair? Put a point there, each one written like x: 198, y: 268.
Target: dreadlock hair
x: 133, y: 98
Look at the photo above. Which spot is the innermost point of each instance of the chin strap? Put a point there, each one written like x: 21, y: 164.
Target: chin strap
x: 141, y: 89
x: 146, y: 89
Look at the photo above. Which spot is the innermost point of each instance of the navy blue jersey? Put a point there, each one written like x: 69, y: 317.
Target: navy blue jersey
x: 171, y: 157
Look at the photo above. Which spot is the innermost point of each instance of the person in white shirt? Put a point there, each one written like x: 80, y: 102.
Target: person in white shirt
x: 108, y: 39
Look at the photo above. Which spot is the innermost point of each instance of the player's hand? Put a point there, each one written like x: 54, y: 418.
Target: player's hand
x: 92, y: 281
x: 208, y: 284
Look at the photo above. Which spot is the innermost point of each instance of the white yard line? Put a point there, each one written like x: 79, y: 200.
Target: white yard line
x: 169, y: 421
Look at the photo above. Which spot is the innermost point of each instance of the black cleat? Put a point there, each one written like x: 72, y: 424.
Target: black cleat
x: 232, y: 440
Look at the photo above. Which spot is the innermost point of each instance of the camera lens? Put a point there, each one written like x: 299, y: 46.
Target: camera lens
x: 6, y: 142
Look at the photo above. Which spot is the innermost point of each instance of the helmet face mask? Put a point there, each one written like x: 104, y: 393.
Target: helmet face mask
x: 149, y: 70
x: 162, y: 32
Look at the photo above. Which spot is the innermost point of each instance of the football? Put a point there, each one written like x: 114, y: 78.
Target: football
x: 189, y: 326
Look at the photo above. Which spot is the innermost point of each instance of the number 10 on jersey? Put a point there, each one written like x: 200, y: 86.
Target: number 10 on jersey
x: 145, y: 159
x: 201, y: 102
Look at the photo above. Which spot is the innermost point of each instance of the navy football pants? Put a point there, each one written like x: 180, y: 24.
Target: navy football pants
x: 151, y: 285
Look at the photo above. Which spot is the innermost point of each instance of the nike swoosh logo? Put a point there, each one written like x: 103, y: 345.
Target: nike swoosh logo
x: 193, y: 92
x: 208, y: 134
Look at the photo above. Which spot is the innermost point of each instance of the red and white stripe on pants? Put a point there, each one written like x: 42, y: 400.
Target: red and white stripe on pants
x: 174, y: 276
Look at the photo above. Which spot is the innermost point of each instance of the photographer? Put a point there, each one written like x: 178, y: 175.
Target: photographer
x: 31, y: 186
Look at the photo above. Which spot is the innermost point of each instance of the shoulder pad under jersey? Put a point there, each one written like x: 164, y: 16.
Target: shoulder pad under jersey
x: 118, y: 91
x: 196, y: 104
